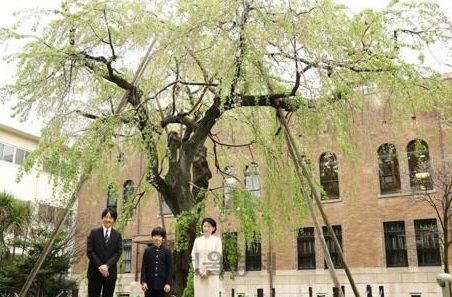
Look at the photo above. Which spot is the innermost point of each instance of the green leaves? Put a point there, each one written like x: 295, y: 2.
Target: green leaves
x: 51, y: 279
x: 207, y: 61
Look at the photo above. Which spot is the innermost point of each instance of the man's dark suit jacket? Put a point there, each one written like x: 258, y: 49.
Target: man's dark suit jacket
x: 100, y: 253
x: 157, y: 267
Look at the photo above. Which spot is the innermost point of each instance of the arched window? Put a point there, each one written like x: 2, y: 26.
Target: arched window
x: 388, y: 169
x: 128, y: 191
x: 229, y: 182
x: 111, y: 197
x: 252, y: 181
x: 329, y: 178
x: 419, y: 165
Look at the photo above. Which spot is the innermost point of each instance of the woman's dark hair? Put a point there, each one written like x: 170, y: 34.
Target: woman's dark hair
x: 211, y: 222
x: 112, y: 212
x: 158, y: 231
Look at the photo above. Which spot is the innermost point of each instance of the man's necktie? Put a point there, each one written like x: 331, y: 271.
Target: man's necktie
x: 106, y: 237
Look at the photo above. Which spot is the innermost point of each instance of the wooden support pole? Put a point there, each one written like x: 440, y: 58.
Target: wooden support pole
x: 299, y: 163
x: 49, y: 244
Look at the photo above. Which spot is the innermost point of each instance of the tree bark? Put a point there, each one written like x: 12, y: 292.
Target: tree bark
x: 446, y: 241
x: 182, y: 259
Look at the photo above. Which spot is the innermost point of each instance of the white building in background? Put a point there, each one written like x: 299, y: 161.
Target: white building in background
x: 15, y: 145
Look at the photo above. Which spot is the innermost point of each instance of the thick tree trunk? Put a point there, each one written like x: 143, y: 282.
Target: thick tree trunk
x: 181, y: 197
x: 182, y: 260
x: 201, y: 174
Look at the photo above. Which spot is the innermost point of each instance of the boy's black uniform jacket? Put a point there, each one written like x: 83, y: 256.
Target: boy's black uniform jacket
x: 157, y: 267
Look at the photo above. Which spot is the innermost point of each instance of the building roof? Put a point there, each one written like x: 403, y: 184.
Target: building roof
x: 17, y: 131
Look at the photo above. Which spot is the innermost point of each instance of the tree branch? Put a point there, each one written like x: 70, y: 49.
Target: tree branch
x: 177, y: 119
x: 241, y: 49
x: 113, y: 54
x: 329, y: 64
x: 87, y: 115
x: 134, y: 93
x: 178, y: 82
x: 230, y: 145
x: 203, y: 70
x: 280, y: 100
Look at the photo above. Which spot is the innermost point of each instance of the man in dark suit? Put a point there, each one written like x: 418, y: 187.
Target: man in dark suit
x: 104, y: 247
x: 156, y: 269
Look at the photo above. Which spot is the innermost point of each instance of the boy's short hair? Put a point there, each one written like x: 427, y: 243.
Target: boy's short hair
x: 112, y: 212
x: 158, y: 231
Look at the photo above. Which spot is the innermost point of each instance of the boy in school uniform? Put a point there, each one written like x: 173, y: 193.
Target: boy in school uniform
x: 156, y: 268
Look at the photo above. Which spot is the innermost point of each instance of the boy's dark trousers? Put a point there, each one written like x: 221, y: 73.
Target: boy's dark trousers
x: 155, y: 293
x: 106, y: 285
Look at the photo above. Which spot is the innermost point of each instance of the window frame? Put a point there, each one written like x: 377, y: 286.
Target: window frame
x: 5, y: 146
x: 14, y: 155
x: 389, y: 235
x: 306, y: 235
x: 126, y: 251
x: 335, y: 258
x: 418, y: 156
x: 329, y: 176
x: 421, y: 250
x: 253, y: 255
x: 233, y: 236
x: 164, y: 207
x: 252, y: 179
x: 112, y: 197
x: 388, y: 167
x: 229, y: 182
x: 127, y: 190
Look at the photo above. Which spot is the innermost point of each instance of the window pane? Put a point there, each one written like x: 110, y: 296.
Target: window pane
x: 166, y: 210
x: 334, y: 253
x: 111, y: 197
x: 395, y: 242
x: 8, y: 153
x: 20, y: 156
x: 129, y: 189
x: 306, y: 248
x: 252, y: 181
x: 329, y: 179
x: 253, y: 256
x: 126, y: 256
x: 229, y: 182
x: 427, y: 242
x: 388, y: 169
x: 230, y: 252
x: 419, y: 165
x: 49, y: 214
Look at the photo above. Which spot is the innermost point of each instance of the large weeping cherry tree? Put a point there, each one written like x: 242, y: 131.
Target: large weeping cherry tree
x: 156, y: 76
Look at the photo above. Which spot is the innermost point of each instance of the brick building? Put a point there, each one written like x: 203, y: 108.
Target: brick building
x: 389, y: 237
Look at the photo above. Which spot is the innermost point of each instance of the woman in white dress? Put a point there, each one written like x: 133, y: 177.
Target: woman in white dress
x: 206, y: 258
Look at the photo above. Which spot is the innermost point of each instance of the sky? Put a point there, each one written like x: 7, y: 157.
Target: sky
x: 32, y: 125
x: 8, y: 7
